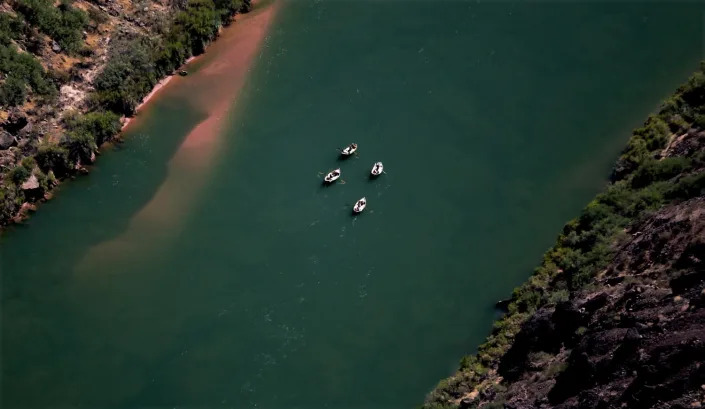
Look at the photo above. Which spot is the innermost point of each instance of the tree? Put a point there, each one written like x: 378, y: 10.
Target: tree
x: 51, y: 157
x: 80, y: 146
x: 103, y: 125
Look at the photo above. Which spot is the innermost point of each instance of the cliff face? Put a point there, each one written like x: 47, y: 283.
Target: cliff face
x: 615, y: 315
x: 635, y: 339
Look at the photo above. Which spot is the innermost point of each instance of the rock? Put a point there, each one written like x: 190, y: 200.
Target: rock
x: 7, y: 158
x: 25, y: 132
x: 24, y: 143
x: 31, y: 183
x: 6, y: 140
x: 55, y: 47
x: 28, y: 207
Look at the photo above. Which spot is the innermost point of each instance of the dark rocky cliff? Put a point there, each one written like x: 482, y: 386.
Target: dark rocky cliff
x: 636, y: 338
x: 614, y: 317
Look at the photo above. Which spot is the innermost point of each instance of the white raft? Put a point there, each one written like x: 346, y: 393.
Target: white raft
x: 332, y: 176
x: 349, y: 150
x: 360, y: 205
x: 377, y: 169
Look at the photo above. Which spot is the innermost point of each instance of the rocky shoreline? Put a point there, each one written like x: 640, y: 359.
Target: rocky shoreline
x: 614, y: 316
x: 53, y: 135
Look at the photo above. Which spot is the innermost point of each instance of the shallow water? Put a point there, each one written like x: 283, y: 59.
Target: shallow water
x: 253, y: 285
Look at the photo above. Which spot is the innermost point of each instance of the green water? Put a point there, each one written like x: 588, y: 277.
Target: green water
x: 496, y: 122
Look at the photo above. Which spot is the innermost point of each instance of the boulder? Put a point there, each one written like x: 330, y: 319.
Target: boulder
x: 26, y: 132
x: 31, y: 183
x: 6, y: 140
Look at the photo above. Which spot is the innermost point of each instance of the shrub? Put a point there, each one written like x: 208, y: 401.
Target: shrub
x: 97, y: 15
x: 103, y: 125
x: 23, y: 70
x: 64, y: 24
x: 198, y: 24
x: 226, y: 8
x: 80, y: 146
x: 657, y: 170
x: 51, y: 157
x: 554, y: 369
x: 13, y: 92
x: 19, y: 174
x: 559, y: 296
x: 11, y: 28
x: 688, y: 187
x: 28, y: 163
x: 128, y: 76
x: 11, y: 199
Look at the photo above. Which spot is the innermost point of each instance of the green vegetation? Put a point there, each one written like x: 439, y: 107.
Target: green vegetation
x: 11, y: 28
x: 80, y: 146
x: 53, y: 158
x: 22, y: 71
x: 136, y: 64
x: 11, y: 199
x: 64, y: 24
x: 129, y: 75
x: 642, y: 183
x: 102, y: 125
x: 13, y: 92
x: 686, y: 106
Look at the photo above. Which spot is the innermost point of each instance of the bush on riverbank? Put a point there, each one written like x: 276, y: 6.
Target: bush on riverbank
x: 102, y: 125
x: 80, y: 146
x: 128, y: 76
x: 11, y: 198
x: 52, y: 157
x: 136, y: 64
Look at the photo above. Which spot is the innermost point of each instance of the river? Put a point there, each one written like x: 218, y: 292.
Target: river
x: 203, y: 264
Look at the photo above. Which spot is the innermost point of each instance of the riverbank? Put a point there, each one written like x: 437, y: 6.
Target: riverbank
x: 214, y: 89
x: 620, y: 293
x: 32, y: 170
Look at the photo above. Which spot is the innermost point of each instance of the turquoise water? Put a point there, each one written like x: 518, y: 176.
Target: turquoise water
x: 496, y: 122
